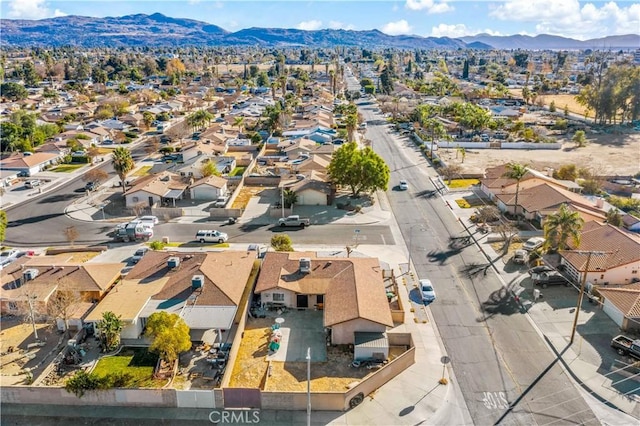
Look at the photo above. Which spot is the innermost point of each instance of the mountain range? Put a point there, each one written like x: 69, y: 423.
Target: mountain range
x: 160, y: 30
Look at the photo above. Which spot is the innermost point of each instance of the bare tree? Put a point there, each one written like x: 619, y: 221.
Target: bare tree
x: 450, y: 172
x: 63, y: 302
x: 95, y: 175
x: 71, y: 234
x: 139, y: 208
x: 152, y: 145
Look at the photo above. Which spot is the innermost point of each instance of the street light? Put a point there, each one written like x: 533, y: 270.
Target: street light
x: 410, y: 240
x: 582, y: 284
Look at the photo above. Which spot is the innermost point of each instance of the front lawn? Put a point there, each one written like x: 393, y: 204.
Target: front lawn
x: 463, y: 183
x: 67, y: 168
x: 238, y: 171
x: 142, y: 171
x: 137, y: 363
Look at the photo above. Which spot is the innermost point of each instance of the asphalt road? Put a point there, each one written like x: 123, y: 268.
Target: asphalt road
x: 506, y: 373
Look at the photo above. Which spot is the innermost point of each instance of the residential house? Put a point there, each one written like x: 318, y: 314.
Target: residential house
x: 159, y: 189
x: 317, y: 162
x: 192, y: 167
x: 208, y: 188
x: 616, y: 259
x: 293, y: 148
x: 29, y: 164
x: 205, y: 289
x: 350, y: 291
x: 36, y: 281
x: 622, y: 304
x: 313, y: 189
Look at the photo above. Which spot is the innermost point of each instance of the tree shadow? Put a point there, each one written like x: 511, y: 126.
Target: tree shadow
x: 58, y: 198
x: 501, y: 302
x: 440, y: 257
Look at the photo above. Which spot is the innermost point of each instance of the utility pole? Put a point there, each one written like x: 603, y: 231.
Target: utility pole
x: 308, y: 386
x: 582, y: 285
x: 33, y: 318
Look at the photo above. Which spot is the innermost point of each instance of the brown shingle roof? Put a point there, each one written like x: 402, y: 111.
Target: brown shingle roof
x: 624, y: 248
x: 353, y: 287
x: 225, y: 273
x: 626, y: 299
x: 159, y: 184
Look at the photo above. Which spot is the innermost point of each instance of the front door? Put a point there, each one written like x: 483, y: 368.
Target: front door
x: 302, y: 301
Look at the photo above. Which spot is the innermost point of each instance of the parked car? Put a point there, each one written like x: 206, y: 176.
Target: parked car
x: 32, y: 183
x: 626, y: 346
x: 153, y: 220
x: 540, y: 269
x: 221, y: 201
x: 294, y: 220
x: 533, y: 243
x: 545, y: 279
x: 139, y: 254
x: 90, y: 186
x: 211, y: 236
x: 403, y: 185
x: 520, y: 257
x: 426, y: 290
x: 8, y: 256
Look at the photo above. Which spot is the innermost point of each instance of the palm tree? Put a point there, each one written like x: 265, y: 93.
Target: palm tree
x: 614, y: 217
x: 561, y: 226
x: 516, y: 171
x: 122, y: 163
x: 239, y: 123
x: 110, y: 327
x: 290, y: 198
x: 351, y: 122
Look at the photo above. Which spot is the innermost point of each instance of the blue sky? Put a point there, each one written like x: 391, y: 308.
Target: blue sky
x: 453, y: 18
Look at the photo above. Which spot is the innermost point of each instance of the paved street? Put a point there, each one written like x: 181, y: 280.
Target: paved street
x: 506, y: 372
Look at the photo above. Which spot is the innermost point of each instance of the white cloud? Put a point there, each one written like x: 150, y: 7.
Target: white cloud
x: 568, y: 18
x: 398, y: 27
x: 458, y: 30
x: 337, y: 25
x: 431, y: 6
x: 32, y: 9
x: 309, y: 25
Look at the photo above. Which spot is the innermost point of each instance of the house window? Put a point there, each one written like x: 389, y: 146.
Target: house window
x: 13, y: 306
x: 635, y: 271
x: 278, y: 297
x: 135, y: 199
x: 602, y: 276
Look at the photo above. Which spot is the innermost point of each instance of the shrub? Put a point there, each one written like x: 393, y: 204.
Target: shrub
x: 358, y: 208
x: 157, y: 245
x: 281, y: 242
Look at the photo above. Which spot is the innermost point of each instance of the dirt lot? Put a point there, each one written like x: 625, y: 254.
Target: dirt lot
x: 609, y: 154
x: 245, y: 195
x: 251, y: 366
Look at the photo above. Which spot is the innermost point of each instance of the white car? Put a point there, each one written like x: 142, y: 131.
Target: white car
x: 8, y: 256
x: 533, y: 243
x: 426, y: 290
x: 403, y: 185
x: 153, y: 220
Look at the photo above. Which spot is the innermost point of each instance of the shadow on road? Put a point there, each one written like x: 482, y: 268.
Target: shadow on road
x: 58, y: 198
x: 501, y: 302
x: 33, y: 219
x: 440, y: 257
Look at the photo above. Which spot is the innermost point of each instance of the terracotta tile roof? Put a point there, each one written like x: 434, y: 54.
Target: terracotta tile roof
x: 625, y: 298
x: 624, y: 247
x: 226, y: 274
x: 353, y: 287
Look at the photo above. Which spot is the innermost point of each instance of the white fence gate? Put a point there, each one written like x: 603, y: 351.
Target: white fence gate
x: 196, y: 399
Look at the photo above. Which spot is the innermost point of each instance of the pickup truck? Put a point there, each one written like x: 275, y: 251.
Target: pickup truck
x: 294, y: 220
x: 626, y: 346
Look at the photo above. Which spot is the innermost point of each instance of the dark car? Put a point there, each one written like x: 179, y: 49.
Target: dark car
x: 90, y: 186
x: 540, y: 269
x: 545, y: 279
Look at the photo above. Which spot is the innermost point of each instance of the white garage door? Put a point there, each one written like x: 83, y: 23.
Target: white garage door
x: 614, y: 313
x: 204, y: 192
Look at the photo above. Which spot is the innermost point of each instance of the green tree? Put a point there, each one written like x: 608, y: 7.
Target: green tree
x: 614, y: 217
x: 122, y: 164
x: 517, y: 172
x: 552, y: 106
x: 209, y: 169
x: 561, y: 226
x: 3, y: 226
x: 351, y: 123
x: 567, y: 172
x: 281, y: 242
x: 290, y: 198
x: 170, y: 335
x: 109, y: 327
x: 13, y: 91
x: 359, y: 170
x: 579, y: 138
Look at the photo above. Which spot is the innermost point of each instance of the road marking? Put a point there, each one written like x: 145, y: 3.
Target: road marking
x: 495, y: 400
x: 383, y: 240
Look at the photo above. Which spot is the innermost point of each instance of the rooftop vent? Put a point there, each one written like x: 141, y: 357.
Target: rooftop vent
x: 173, y: 262
x: 305, y: 265
x: 30, y: 274
x: 197, y: 282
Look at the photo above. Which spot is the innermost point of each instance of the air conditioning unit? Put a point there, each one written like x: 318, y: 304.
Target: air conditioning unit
x: 305, y: 265
x: 30, y: 274
x: 197, y: 281
x: 173, y: 262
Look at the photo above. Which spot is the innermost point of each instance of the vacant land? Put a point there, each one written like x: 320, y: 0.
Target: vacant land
x: 245, y: 195
x: 605, y: 154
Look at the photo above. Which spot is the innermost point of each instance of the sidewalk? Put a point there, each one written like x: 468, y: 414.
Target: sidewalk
x: 590, y: 360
